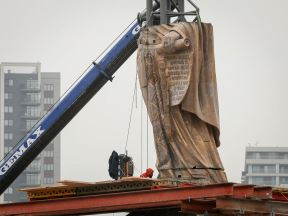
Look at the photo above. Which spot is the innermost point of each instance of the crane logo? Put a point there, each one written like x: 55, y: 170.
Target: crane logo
x: 20, y: 151
x: 136, y: 30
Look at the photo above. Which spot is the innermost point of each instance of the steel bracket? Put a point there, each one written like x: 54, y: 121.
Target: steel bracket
x: 108, y: 77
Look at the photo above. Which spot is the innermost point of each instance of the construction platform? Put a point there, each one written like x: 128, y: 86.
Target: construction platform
x: 151, y: 197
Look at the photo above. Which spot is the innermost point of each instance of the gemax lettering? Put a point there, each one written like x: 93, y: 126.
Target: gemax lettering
x: 4, y: 168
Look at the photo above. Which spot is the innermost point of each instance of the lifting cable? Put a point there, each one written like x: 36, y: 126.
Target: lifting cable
x: 147, y: 132
x: 134, y: 98
x: 147, y: 109
x: 141, y: 136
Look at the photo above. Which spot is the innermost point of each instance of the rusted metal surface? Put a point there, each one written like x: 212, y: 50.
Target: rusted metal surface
x: 216, y: 199
x: 76, y: 188
x: 125, y: 201
x: 199, y: 206
x: 263, y: 192
x: 52, y: 193
x: 247, y: 206
x: 280, y: 194
x: 243, y: 191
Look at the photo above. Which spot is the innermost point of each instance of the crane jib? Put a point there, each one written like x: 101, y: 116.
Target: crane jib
x: 66, y: 108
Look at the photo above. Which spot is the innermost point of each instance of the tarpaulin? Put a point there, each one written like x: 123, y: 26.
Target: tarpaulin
x: 176, y: 69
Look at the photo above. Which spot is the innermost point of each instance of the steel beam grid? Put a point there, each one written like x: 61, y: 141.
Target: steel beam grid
x: 263, y: 192
x: 235, y: 206
x: 227, y: 198
x: 254, y: 206
x: 199, y: 206
x: 126, y: 201
x: 280, y: 194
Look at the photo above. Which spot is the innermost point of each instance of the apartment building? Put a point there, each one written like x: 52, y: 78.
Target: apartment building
x: 26, y: 94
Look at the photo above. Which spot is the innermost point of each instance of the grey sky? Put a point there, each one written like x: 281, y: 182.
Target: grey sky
x: 66, y: 35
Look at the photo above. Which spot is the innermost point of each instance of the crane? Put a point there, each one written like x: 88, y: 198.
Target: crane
x: 98, y: 74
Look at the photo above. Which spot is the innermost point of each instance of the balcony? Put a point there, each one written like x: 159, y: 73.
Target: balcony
x: 31, y: 116
x: 266, y: 161
x: 24, y: 130
x: 30, y: 102
x: 33, y: 169
x: 31, y: 88
x: 29, y: 184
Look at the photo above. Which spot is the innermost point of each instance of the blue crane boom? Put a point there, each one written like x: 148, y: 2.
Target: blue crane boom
x: 66, y: 108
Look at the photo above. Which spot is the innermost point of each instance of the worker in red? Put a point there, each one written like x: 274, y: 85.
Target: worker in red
x: 148, y: 173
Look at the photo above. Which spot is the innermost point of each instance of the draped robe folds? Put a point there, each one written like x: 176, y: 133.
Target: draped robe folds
x: 176, y: 69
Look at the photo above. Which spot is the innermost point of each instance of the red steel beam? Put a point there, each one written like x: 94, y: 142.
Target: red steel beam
x: 252, y: 206
x: 126, y: 201
x: 241, y: 191
x: 279, y: 196
x: 263, y: 192
x: 198, y: 206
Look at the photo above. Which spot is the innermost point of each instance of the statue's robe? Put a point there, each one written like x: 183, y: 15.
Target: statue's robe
x: 176, y: 70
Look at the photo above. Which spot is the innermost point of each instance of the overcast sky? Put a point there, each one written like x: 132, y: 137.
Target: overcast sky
x: 67, y: 35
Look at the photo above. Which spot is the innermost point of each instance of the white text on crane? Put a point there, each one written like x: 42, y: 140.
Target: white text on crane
x: 21, y: 150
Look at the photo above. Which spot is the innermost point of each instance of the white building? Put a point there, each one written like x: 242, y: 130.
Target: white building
x: 266, y: 166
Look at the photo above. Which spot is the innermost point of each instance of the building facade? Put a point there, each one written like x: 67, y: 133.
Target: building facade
x: 266, y: 166
x: 26, y: 94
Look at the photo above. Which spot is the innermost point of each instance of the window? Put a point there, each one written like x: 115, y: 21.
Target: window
x: 9, y: 190
x: 10, y: 82
x: 34, y: 166
x: 270, y: 168
x: 8, y: 109
x: 8, y: 136
x: 48, y: 87
x: 252, y: 155
x: 32, y: 111
x: 49, y: 167
x: 282, y: 155
x: 48, y: 153
x: 32, y: 84
x: 48, y: 180
x: 283, y: 180
x: 7, y: 149
x: 257, y: 169
x: 273, y: 155
x: 8, y: 122
x: 8, y: 96
x: 264, y: 180
x: 48, y: 101
x: 283, y: 168
x: 265, y: 155
x: 264, y: 168
x: 33, y: 179
x: 30, y: 123
x: 33, y: 97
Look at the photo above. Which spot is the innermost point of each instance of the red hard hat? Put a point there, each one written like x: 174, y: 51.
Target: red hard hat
x: 149, y: 170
